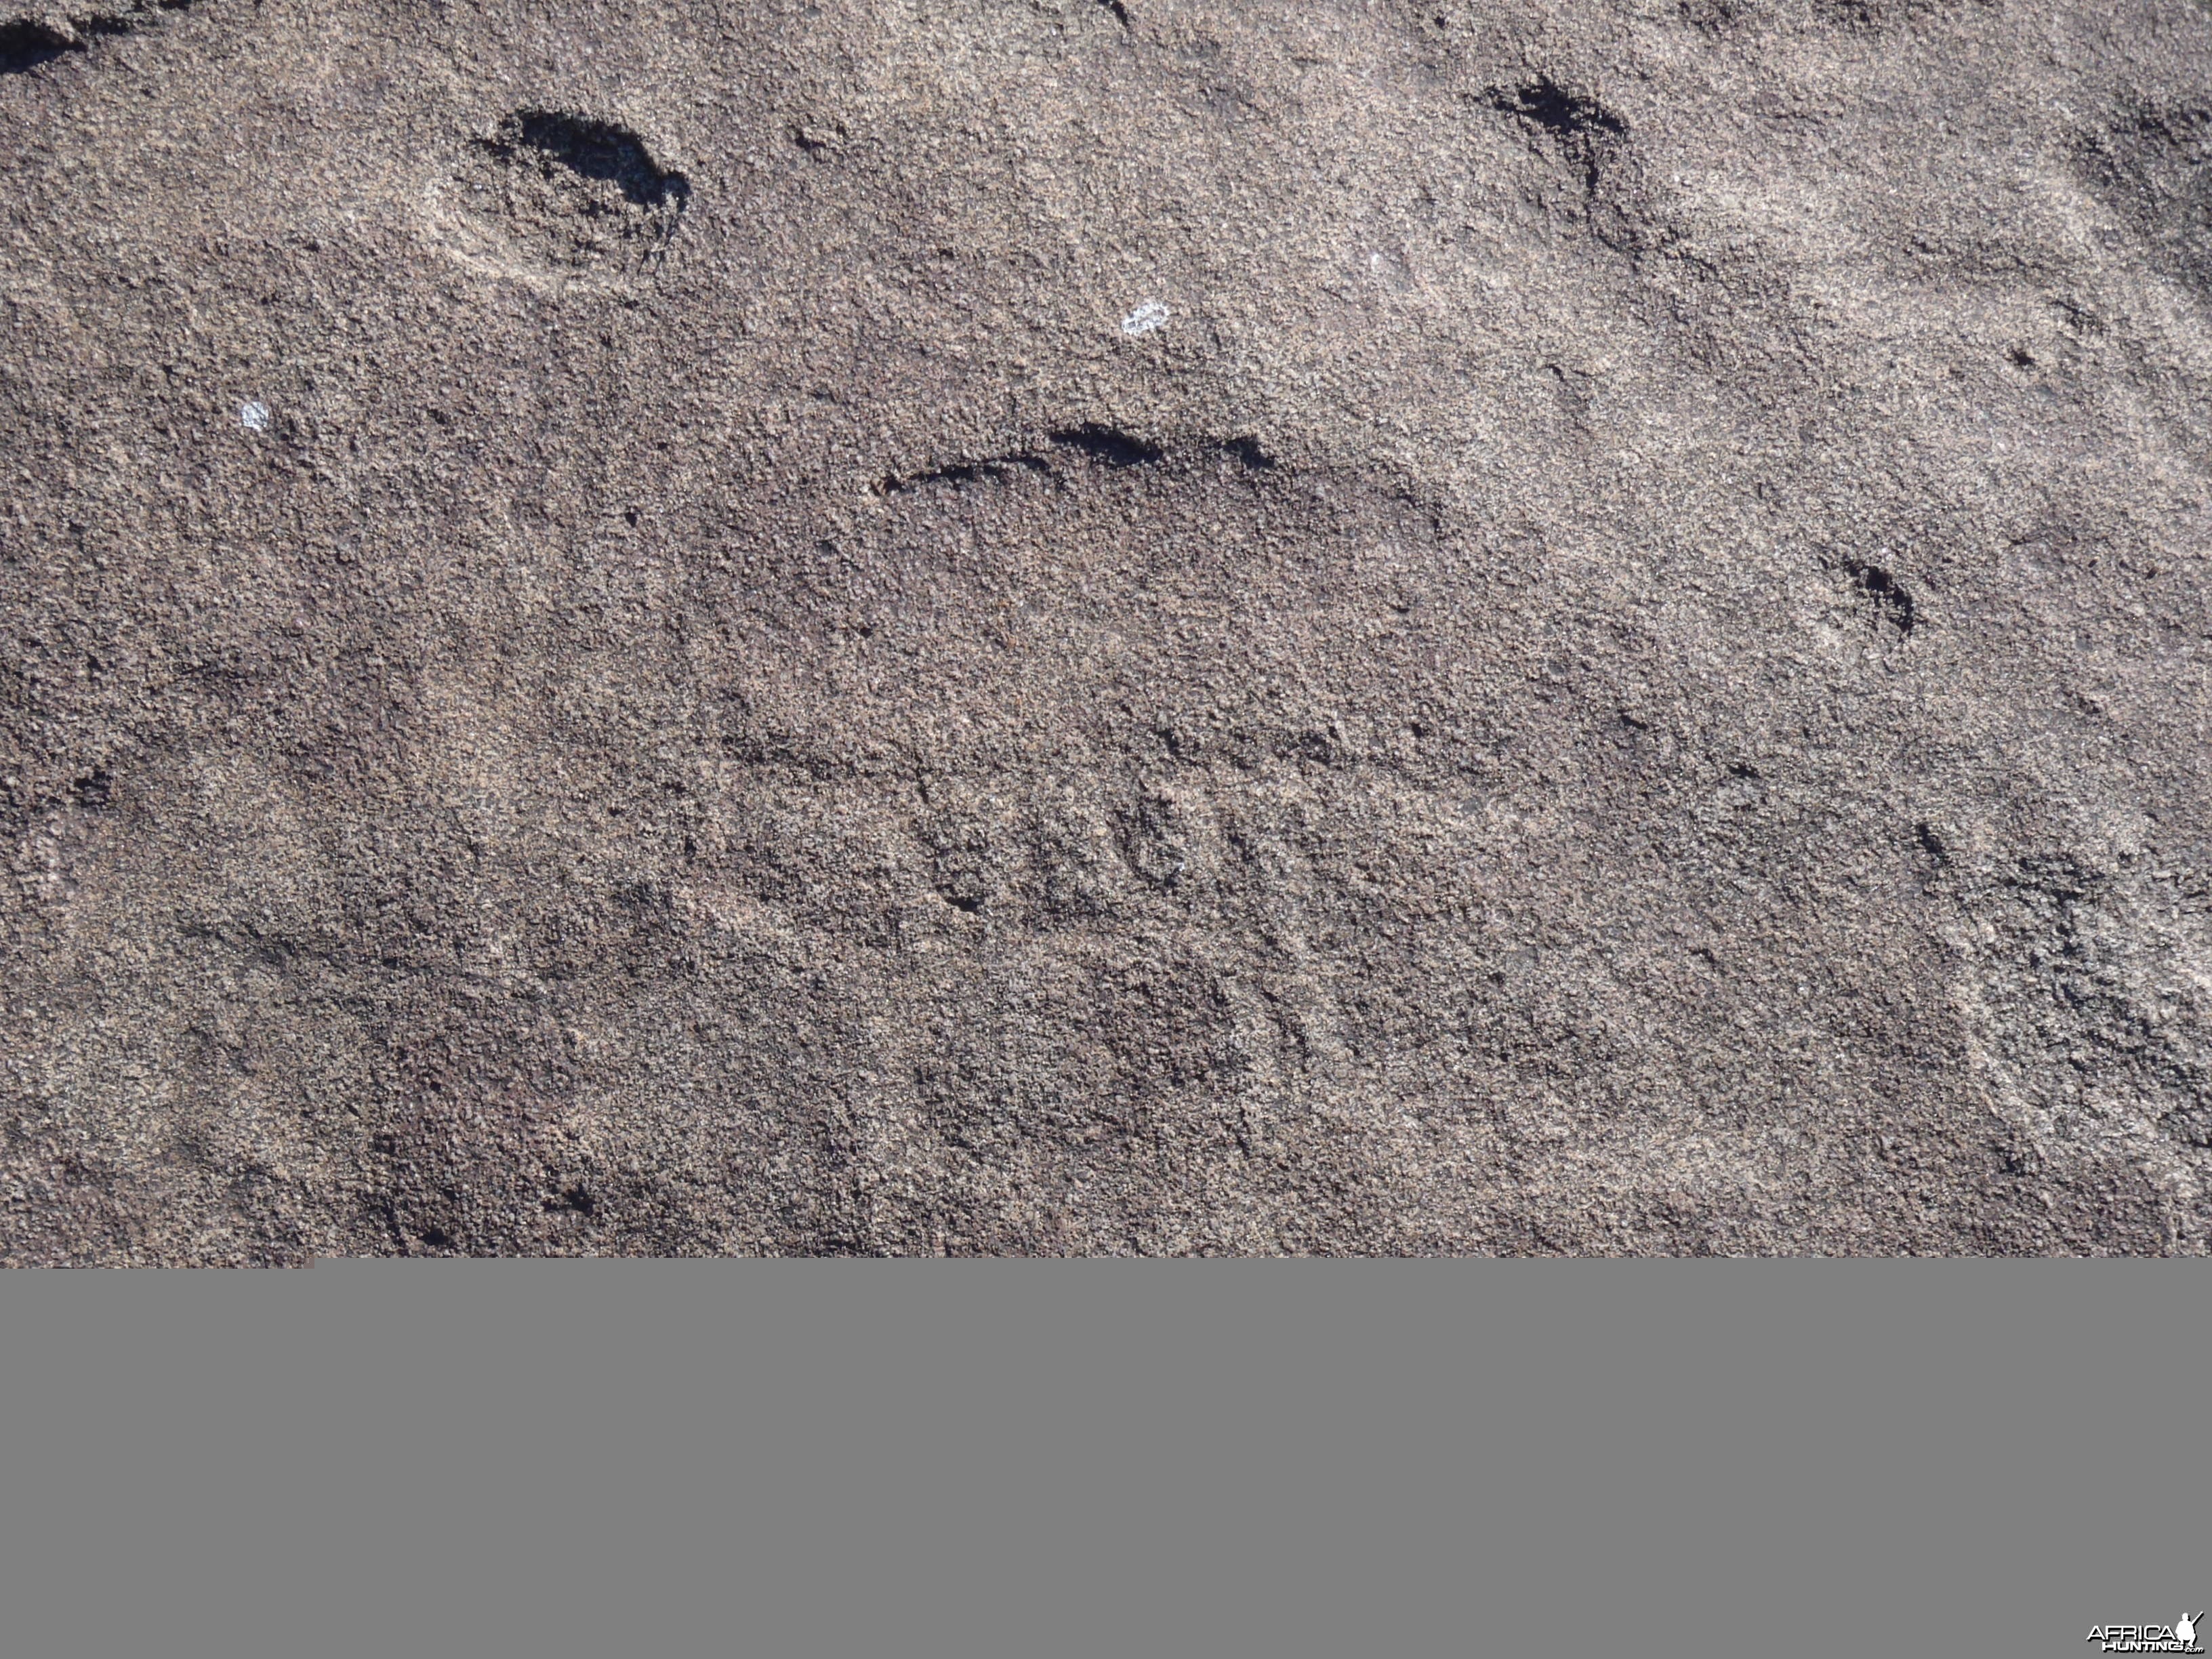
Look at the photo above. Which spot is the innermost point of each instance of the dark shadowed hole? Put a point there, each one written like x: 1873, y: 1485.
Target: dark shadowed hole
x: 1552, y: 107
x: 1105, y: 443
x: 592, y: 150
x: 27, y: 43
x: 1892, y: 604
x: 438, y: 1238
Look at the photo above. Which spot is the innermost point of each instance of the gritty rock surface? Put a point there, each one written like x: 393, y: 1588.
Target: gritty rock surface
x: 1046, y: 626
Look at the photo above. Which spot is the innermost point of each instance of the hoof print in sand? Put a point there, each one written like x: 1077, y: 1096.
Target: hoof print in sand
x: 2146, y: 164
x: 34, y: 35
x: 559, y: 197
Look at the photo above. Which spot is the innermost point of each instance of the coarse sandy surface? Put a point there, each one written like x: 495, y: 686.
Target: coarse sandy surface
x: 1038, y: 626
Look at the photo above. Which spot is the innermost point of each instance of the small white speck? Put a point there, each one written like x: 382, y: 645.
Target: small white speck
x: 254, y: 417
x: 1144, y: 318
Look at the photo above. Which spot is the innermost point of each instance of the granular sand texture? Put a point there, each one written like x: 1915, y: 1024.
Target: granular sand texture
x: 1037, y: 626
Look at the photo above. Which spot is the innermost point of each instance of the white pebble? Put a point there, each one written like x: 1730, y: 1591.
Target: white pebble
x: 254, y: 417
x: 1144, y: 318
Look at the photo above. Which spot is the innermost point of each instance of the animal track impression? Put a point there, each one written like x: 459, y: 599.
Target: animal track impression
x: 572, y: 195
x: 1583, y: 129
x: 1886, y: 605
x: 35, y: 36
x: 2148, y: 164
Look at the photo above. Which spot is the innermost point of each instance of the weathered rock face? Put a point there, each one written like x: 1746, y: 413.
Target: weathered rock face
x: 1045, y: 626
